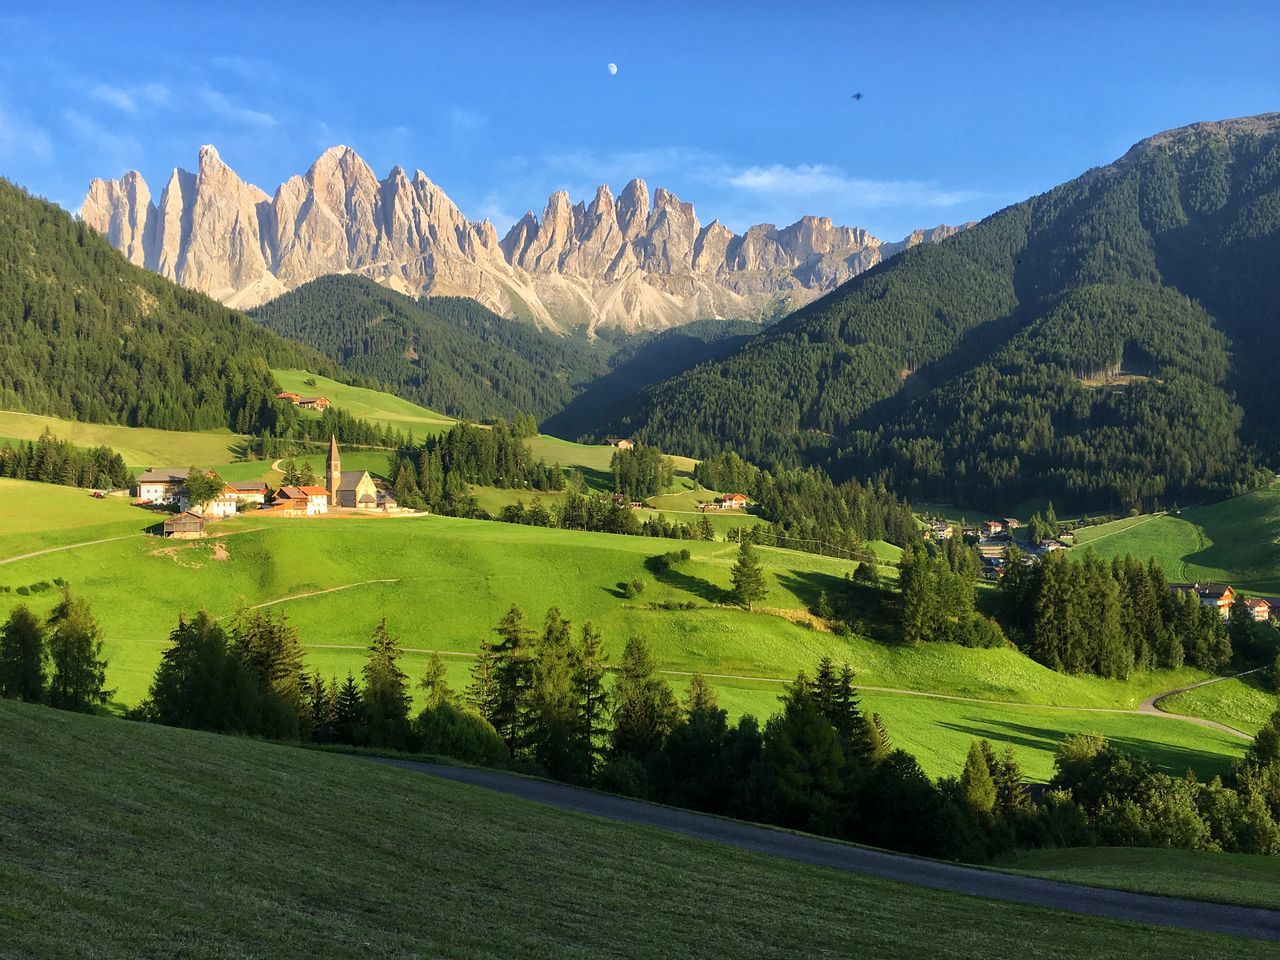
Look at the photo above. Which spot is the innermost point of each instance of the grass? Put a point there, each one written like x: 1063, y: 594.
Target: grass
x: 1244, y: 703
x: 1235, y: 541
x: 1239, y: 878
x: 140, y: 446
x: 373, y: 405
x: 131, y: 840
x: 455, y: 578
x: 37, y: 516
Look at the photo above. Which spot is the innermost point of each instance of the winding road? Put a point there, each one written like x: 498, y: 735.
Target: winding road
x: 972, y: 881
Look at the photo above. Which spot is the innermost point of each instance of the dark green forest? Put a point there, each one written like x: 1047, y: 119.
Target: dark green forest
x: 1105, y: 344
x: 448, y: 353
x: 88, y: 336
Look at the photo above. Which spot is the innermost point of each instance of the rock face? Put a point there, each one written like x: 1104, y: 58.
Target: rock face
x: 621, y: 263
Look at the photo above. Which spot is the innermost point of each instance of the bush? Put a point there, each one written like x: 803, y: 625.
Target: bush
x: 450, y: 731
x: 23, y: 592
x: 665, y: 561
x: 633, y: 589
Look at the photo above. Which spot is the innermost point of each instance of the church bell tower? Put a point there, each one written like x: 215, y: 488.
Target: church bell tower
x: 333, y: 471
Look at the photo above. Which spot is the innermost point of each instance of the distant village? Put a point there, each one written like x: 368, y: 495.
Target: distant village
x: 348, y: 490
x: 995, y: 542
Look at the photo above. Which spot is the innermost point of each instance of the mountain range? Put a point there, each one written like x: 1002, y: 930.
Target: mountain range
x: 632, y: 263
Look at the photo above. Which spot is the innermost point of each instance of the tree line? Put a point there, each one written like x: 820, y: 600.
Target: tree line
x: 50, y: 460
x: 57, y: 660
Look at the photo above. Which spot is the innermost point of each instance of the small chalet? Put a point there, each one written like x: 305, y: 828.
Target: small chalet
x: 1259, y: 608
x: 1011, y: 523
x: 622, y: 443
x: 184, y: 526
x: 289, y: 395
x: 301, y: 501
x: 940, y: 530
x: 732, y: 501
x: 990, y: 528
x: 312, y: 403
x: 161, y: 485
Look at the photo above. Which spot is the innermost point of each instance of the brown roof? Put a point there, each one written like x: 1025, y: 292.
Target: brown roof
x: 186, y: 517
x: 291, y: 493
x: 164, y: 475
x: 1255, y: 602
x: 314, y: 491
x: 249, y: 486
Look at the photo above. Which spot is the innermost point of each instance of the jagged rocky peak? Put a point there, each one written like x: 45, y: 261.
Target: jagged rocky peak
x: 632, y: 260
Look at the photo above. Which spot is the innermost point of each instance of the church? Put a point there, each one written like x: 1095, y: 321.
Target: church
x: 353, y: 488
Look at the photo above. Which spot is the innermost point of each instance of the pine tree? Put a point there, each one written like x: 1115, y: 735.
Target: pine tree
x: 978, y: 788
x: 552, y: 732
x: 512, y: 672
x: 348, y: 712
x: 78, y: 680
x: 699, y: 698
x: 434, y: 681
x: 321, y: 707
x: 483, y: 691
x: 1012, y: 797
x: 643, y: 705
x: 748, y: 577
x: 589, y: 670
x: 386, y: 691
x: 23, y: 657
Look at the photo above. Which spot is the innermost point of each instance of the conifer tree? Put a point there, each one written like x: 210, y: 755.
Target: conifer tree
x: 643, y: 705
x: 552, y: 728
x: 435, y: 682
x: 589, y: 664
x: 348, y: 712
x: 748, y: 576
x: 483, y: 691
x: 512, y: 670
x: 23, y: 657
x: 976, y: 785
x: 79, y: 676
x: 386, y: 691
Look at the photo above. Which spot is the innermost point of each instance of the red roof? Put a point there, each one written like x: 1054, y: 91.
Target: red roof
x: 314, y: 491
x: 1256, y: 602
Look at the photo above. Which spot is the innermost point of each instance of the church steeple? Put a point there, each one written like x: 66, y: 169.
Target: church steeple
x: 333, y: 471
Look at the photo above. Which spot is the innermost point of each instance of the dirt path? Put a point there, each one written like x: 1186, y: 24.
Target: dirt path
x: 972, y: 881
x: 317, y: 593
x: 1151, y: 705
x: 69, y: 546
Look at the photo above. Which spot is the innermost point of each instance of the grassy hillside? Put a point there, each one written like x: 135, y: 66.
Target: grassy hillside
x: 40, y: 516
x: 451, y: 580
x: 1244, y: 703
x: 381, y: 408
x: 123, y: 839
x: 140, y: 446
x: 1240, y: 878
x: 1235, y: 541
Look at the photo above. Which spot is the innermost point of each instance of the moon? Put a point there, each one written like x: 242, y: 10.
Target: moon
x: 613, y: 69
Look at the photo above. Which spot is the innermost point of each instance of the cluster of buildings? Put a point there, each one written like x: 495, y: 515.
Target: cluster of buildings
x: 346, y: 489
x: 730, y: 501
x: 994, y: 539
x: 1222, y: 596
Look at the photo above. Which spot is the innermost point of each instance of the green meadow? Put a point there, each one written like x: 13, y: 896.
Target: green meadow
x: 1234, y: 541
x: 442, y: 584
x: 365, y: 404
x: 140, y: 446
x: 1246, y: 879
x: 141, y: 835
x: 1244, y: 703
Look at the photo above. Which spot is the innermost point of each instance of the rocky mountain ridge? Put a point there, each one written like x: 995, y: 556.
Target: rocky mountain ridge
x: 627, y: 262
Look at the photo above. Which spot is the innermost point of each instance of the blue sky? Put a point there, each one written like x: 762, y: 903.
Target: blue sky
x: 740, y: 108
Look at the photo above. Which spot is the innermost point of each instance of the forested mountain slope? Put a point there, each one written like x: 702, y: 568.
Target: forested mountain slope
x: 1109, y: 343
x: 449, y: 353
x: 86, y: 335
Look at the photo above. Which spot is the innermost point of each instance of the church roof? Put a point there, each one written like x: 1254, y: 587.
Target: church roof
x: 350, y: 479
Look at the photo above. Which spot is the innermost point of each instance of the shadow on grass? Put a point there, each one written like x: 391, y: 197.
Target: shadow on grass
x: 696, y: 586
x: 1168, y: 758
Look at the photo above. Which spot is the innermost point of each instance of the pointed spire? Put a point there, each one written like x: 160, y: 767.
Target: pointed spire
x: 333, y: 471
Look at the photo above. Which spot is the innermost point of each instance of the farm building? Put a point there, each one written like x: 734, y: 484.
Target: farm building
x: 304, y: 501
x: 249, y: 491
x: 289, y: 395
x: 184, y: 526
x: 161, y: 484
x: 223, y: 505
x: 1011, y: 523
x: 312, y: 403
x: 732, y: 501
x: 990, y: 528
x: 622, y: 443
x: 1219, y: 596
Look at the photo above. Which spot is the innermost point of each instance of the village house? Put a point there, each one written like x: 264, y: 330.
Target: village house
x: 1011, y: 523
x: 289, y: 395
x: 312, y: 403
x: 301, y: 501
x: 220, y: 507
x: 1259, y: 608
x: 184, y: 526
x: 161, y: 485
x: 250, y: 491
x: 939, y: 530
x: 732, y: 501
x: 990, y: 528
x: 622, y: 443
x: 1219, y: 596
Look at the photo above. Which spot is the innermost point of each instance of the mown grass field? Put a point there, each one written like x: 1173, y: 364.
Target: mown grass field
x: 128, y: 840
x: 37, y: 516
x: 1234, y: 541
x: 1245, y: 703
x: 1240, y: 878
x: 451, y: 580
x: 140, y: 446
x: 373, y: 405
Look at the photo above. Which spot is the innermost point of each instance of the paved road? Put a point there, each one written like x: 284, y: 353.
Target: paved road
x: 1073, y: 898
x: 1151, y: 705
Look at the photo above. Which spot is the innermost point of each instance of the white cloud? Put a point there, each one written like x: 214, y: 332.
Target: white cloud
x: 120, y: 148
x: 131, y: 99
x: 820, y: 182
x: 221, y: 106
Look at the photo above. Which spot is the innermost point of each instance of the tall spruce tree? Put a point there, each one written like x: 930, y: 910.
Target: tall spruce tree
x: 79, y: 677
x: 23, y: 657
x: 748, y: 577
x: 644, y: 708
x: 589, y: 665
x: 386, y: 692
x: 512, y: 672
